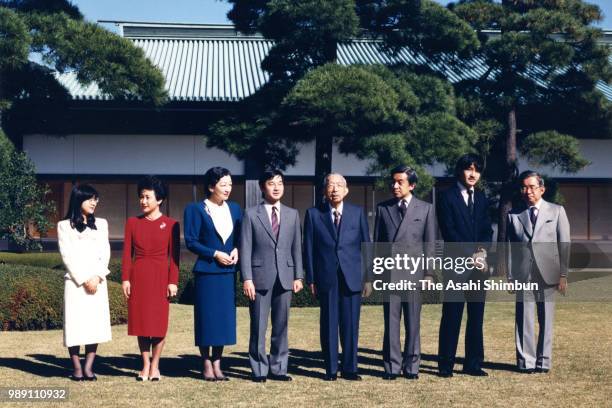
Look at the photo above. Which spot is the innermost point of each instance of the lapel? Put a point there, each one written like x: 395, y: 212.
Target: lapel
x: 479, y: 207
x: 283, y: 231
x: 461, y: 204
x: 326, y: 219
x: 412, y: 205
x: 542, y: 215
x: 265, y: 221
x: 345, y: 212
x: 394, y: 213
x: 524, y: 219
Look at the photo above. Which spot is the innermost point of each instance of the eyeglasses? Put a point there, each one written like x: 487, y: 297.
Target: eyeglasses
x: 93, y: 200
x: 530, y: 188
x: 330, y: 186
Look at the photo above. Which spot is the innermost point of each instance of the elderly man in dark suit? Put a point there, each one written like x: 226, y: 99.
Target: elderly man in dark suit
x: 271, y: 269
x: 463, y: 218
x: 333, y: 234
x: 410, y: 222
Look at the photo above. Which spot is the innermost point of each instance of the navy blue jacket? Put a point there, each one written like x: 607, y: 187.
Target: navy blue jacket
x: 454, y: 217
x: 202, y: 238
x: 325, y: 251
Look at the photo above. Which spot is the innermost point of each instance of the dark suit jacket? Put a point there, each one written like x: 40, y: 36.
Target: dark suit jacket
x: 325, y: 251
x: 202, y: 238
x: 454, y: 217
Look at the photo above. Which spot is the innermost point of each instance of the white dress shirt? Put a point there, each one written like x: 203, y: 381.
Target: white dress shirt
x: 268, y: 208
x: 332, y: 210
x: 406, y: 199
x: 464, y: 192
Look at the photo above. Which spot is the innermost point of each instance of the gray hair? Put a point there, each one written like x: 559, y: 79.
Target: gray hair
x: 531, y: 173
x: 326, y: 179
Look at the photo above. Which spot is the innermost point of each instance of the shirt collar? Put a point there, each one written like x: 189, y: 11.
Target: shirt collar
x: 269, y: 206
x: 340, y: 208
x: 407, y: 199
x: 537, y: 204
x: 462, y: 188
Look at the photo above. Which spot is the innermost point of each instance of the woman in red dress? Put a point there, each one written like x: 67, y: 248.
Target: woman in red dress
x: 150, y: 274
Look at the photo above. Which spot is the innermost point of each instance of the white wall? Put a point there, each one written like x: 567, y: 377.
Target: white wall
x: 188, y: 155
x: 125, y: 154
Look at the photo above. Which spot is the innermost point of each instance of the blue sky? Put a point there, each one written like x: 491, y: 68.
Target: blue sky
x: 197, y: 11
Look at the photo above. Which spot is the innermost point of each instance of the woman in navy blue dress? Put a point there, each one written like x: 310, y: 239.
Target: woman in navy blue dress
x: 211, y: 232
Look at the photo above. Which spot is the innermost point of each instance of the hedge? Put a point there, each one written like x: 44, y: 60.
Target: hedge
x: 31, y: 298
x: 186, y: 286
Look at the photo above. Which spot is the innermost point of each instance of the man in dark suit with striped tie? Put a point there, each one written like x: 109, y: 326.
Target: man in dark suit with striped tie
x: 333, y: 234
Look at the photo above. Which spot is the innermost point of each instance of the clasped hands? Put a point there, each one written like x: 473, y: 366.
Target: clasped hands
x: 127, y: 288
x: 225, y: 259
x: 91, y: 285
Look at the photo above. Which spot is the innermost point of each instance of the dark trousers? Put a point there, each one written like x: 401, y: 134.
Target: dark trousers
x: 340, y: 309
x: 452, y: 313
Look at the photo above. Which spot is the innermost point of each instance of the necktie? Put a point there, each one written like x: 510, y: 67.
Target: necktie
x: 275, y: 225
x: 533, y: 215
x: 403, y: 207
x: 337, y: 216
x: 471, y: 202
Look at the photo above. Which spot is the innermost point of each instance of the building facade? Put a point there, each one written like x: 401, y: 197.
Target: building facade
x: 111, y: 144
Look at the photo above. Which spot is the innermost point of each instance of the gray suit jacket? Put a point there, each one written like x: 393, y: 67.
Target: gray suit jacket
x: 262, y: 257
x: 547, y: 247
x: 416, y: 232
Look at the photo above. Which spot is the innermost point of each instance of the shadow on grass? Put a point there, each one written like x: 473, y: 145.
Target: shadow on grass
x: 302, y: 363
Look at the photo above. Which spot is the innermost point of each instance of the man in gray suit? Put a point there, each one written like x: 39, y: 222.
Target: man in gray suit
x: 542, y: 257
x: 271, y: 268
x: 410, y: 222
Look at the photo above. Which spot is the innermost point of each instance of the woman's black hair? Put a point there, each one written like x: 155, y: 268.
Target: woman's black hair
x: 154, y: 184
x: 466, y: 161
x: 79, y: 194
x: 212, y: 177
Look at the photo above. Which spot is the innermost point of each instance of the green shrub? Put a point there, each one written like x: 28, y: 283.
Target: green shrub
x: 31, y: 298
x: 185, y: 293
x: 51, y: 260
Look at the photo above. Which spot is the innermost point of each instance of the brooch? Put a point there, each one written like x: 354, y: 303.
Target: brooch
x: 162, y: 225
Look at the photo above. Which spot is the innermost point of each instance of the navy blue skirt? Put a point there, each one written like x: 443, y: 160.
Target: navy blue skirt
x: 215, y: 309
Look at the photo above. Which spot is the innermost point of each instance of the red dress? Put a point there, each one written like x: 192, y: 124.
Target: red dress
x: 150, y: 263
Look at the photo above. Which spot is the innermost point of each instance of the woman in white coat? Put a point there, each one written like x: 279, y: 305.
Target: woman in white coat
x: 85, y: 250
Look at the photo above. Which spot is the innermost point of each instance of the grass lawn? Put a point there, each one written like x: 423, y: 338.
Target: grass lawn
x: 582, y: 363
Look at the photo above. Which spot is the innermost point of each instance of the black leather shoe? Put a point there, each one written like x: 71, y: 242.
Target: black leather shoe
x: 259, y: 379
x: 410, y: 376
x: 351, y: 377
x: 92, y: 378
x: 527, y: 370
x: 330, y: 377
x: 389, y: 377
x: 75, y: 378
x: 476, y: 373
x: 282, y: 377
x: 445, y: 373
x: 541, y: 370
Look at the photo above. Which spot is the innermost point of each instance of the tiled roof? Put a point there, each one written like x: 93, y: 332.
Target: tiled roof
x: 218, y: 64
